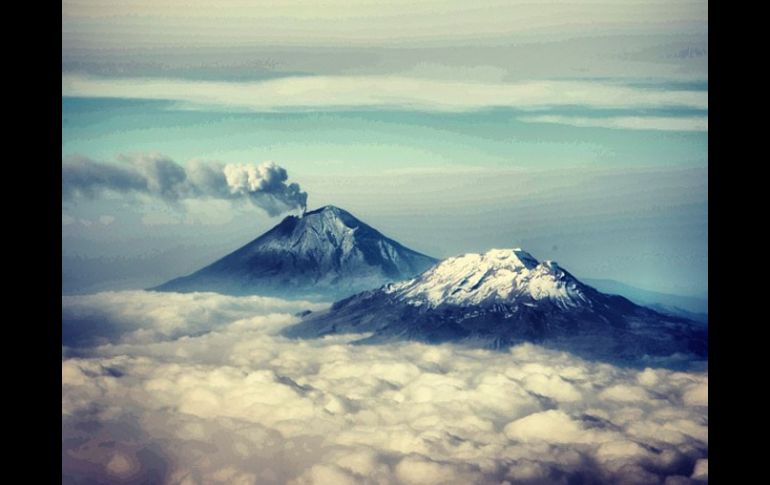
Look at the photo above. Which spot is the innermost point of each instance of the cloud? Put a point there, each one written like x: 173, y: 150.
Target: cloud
x: 658, y: 123
x: 160, y: 177
x: 334, y: 92
x: 139, y: 316
x: 701, y: 471
x: 104, y: 220
x: 199, y: 388
x: 109, y: 23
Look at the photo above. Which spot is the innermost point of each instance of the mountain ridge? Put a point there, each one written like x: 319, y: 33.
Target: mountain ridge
x: 690, y: 306
x: 502, y: 298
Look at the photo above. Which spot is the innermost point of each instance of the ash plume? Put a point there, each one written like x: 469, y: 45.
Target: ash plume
x: 264, y: 185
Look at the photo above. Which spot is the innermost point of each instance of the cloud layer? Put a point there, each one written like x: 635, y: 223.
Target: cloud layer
x: 107, y: 23
x: 197, y: 388
x: 159, y: 176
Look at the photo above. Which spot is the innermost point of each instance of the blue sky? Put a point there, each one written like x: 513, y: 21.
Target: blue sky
x: 362, y: 141
x: 577, y: 131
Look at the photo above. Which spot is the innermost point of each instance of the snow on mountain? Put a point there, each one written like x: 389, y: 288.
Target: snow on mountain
x: 504, y: 297
x: 497, y: 276
x: 325, y: 254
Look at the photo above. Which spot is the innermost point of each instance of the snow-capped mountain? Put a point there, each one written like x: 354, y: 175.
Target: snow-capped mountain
x: 501, y: 298
x: 497, y: 276
x: 325, y: 254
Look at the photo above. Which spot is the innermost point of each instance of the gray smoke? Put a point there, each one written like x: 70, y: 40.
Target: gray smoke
x: 264, y: 185
x: 82, y: 176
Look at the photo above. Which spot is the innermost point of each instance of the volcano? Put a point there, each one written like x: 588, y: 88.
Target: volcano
x: 324, y: 255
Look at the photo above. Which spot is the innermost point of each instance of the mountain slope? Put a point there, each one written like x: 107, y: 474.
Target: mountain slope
x: 325, y: 254
x: 501, y: 298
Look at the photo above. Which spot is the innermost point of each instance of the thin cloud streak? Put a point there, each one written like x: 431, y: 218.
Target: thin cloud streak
x: 335, y: 92
x: 660, y: 123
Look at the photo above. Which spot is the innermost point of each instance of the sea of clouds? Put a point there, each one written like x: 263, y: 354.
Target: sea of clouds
x: 199, y: 389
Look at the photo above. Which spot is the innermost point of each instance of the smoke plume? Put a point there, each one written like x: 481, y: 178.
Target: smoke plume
x: 158, y: 176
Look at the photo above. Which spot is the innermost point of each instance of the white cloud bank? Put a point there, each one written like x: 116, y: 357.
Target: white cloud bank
x: 198, y: 389
x: 331, y: 92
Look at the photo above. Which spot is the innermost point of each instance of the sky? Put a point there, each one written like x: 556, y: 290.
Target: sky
x: 575, y: 130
